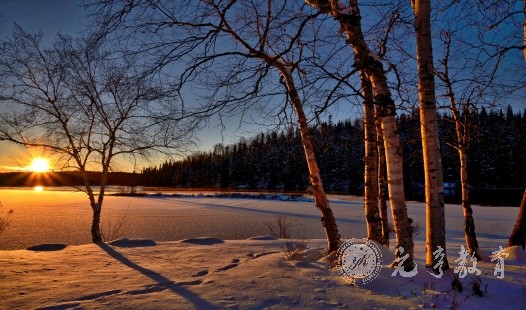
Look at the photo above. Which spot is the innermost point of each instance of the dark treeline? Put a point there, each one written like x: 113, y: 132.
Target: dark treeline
x: 275, y: 161
x: 67, y: 178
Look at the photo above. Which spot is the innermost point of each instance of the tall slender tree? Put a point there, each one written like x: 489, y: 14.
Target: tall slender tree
x: 240, y: 50
x: 382, y: 183
x: 285, y: 70
x: 434, y: 187
x: 372, y: 213
x: 471, y: 79
x: 366, y: 60
x: 461, y: 113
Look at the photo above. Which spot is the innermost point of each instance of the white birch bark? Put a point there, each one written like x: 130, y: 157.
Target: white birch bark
x: 382, y: 183
x: 434, y: 188
x: 372, y: 214
x: 349, y: 19
x: 316, y: 185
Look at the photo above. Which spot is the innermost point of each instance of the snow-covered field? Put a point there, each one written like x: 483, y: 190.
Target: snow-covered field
x: 227, y: 270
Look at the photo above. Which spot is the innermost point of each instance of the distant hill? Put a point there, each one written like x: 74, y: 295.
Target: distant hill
x: 67, y: 178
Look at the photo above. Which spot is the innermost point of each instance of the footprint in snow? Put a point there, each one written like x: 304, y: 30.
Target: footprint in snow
x: 201, y: 273
x: 203, y: 241
x: 229, y: 266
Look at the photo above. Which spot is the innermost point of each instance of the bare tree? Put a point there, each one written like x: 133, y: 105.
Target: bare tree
x: 366, y: 60
x: 371, y: 198
x: 461, y: 112
x: 275, y: 54
x: 86, y: 105
x: 434, y: 187
x: 243, y: 53
x: 382, y: 183
x: 474, y: 72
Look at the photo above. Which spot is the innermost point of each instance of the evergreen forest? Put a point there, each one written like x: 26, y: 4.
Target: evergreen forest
x: 275, y: 160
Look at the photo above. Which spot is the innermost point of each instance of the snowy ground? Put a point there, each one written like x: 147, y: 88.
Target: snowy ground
x: 221, y: 272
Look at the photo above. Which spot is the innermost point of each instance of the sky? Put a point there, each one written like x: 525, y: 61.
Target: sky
x: 67, y: 16
x: 50, y: 17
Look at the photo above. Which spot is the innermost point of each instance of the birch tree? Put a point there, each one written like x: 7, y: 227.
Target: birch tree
x: 242, y: 51
x: 349, y: 19
x: 382, y: 182
x: 474, y: 72
x: 461, y: 112
x: 434, y: 187
x: 371, y: 198
x: 85, y: 105
x: 374, y: 176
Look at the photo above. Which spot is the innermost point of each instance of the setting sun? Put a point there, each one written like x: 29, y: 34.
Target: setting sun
x: 39, y: 165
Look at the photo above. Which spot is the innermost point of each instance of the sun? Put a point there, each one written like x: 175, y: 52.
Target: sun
x: 39, y: 165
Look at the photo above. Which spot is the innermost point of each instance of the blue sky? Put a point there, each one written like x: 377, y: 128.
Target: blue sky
x: 67, y: 16
x: 48, y: 16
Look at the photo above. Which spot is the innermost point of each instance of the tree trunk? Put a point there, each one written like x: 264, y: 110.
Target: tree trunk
x: 382, y: 184
x: 395, y: 181
x: 97, y: 207
x: 103, y: 181
x: 434, y: 187
x: 469, y: 222
x: 316, y: 187
x: 374, y: 228
x: 350, y: 23
x: 518, y: 235
x: 462, y: 134
x: 96, y: 235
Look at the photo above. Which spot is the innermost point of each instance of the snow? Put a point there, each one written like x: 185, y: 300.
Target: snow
x: 515, y: 256
x: 204, y: 270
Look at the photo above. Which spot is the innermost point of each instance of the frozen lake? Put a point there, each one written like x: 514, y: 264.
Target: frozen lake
x: 65, y: 217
